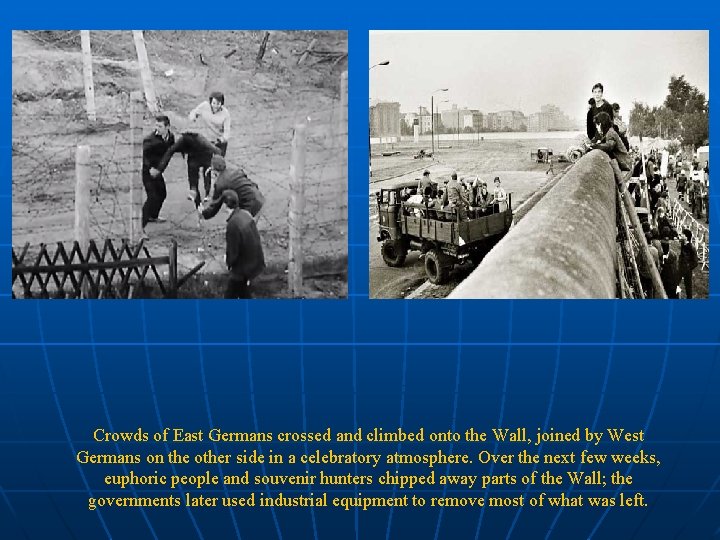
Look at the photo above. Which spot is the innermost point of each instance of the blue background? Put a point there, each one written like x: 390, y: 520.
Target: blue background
x: 69, y: 367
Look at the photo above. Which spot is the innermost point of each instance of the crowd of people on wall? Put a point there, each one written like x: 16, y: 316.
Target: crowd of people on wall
x: 607, y: 131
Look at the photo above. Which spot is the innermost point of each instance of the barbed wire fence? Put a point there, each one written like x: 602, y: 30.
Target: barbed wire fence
x: 44, y: 148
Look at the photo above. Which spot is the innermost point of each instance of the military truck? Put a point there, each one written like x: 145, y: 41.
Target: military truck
x: 446, y: 237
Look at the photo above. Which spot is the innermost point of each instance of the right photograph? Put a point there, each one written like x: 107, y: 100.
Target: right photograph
x: 539, y: 164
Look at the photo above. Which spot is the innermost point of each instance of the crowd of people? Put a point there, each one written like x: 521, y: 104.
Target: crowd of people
x: 607, y: 131
x: 204, y: 147
x: 453, y: 198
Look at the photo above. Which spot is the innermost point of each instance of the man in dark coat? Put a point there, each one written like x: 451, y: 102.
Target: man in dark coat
x: 688, y: 260
x: 596, y: 104
x: 249, y: 196
x: 154, y: 147
x: 244, y: 255
x: 199, y: 152
x: 670, y: 271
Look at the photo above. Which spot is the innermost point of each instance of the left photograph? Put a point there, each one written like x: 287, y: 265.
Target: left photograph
x: 179, y: 164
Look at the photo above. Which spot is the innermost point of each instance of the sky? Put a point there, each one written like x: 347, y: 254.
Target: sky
x: 496, y: 70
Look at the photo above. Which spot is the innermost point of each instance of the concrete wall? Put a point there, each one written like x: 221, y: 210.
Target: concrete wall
x: 563, y: 248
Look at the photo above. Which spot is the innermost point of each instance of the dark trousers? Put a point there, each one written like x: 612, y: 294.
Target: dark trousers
x: 687, y: 278
x: 223, y: 147
x: 670, y: 291
x: 156, y: 193
x: 237, y: 288
x: 194, y: 163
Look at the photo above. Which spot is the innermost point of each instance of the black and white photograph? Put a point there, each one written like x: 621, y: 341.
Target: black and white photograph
x: 539, y: 164
x: 179, y: 164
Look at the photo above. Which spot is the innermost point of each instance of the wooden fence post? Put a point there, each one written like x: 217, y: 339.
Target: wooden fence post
x: 88, y: 75
x: 343, y: 116
x: 135, y: 177
x: 261, y: 50
x: 306, y: 53
x: 344, y: 133
x: 172, y: 271
x: 145, y: 73
x: 297, y: 208
x: 82, y: 208
x: 82, y: 196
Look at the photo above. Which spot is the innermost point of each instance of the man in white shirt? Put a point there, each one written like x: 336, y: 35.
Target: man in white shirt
x: 214, y: 119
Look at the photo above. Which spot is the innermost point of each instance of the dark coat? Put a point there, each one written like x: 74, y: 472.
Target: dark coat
x: 192, y: 144
x: 688, y: 258
x: 154, y: 149
x: 590, y: 120
x: 248, y: 193
x: 670, y: 273
x: 244, y: 254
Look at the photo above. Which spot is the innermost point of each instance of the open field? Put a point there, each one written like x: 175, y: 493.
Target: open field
x: 468, y: 157
x: 266, y: 101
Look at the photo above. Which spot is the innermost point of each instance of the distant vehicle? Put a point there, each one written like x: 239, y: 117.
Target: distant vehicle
x: 441, y: 235
x: 422, y: 154
x: 542, y: 155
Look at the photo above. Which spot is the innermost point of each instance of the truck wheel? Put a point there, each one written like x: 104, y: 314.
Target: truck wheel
x: 394, y: 252
x: 437, y: 267
x: 477, y: 255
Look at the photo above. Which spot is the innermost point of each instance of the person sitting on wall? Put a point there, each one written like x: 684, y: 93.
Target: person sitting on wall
x: 611, y: 143
x: 619, y: 125
x: 596, y: 104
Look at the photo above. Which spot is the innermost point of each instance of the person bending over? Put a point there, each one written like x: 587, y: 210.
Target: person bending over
x: 247, y: 191
x: 199, y: 153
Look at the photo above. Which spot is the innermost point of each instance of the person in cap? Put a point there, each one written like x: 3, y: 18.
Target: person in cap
x: 456, y: 197
x: 154, y: 147
x: 243, y: 253
x: 214, y: 120
x: 231, y: 178
x: 425, y: 183
x: 687, y: 261
x: 199, y: 153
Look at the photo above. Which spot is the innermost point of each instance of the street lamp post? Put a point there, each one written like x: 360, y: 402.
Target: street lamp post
x: 432, y: 116
x: 383, y: 63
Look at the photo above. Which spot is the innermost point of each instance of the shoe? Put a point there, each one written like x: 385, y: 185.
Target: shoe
x: 159, y: 219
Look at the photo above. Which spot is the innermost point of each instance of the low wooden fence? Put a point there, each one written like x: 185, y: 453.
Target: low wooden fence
x: 682, y: 219
x: 110, y: 272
